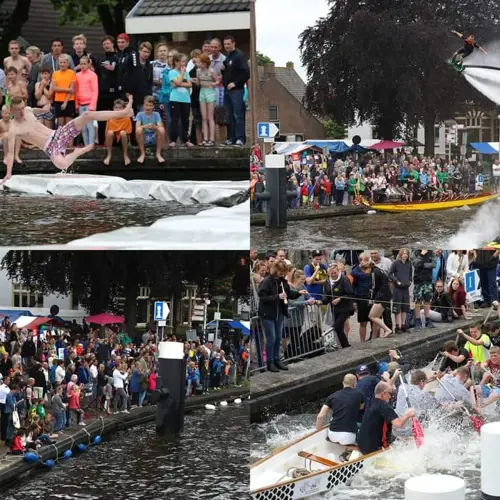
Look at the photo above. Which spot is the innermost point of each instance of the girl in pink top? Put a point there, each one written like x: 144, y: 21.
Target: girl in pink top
x: 87, y: 92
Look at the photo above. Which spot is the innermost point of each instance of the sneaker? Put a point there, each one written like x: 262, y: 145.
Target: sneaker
x: 83, y: 424
x: 418, y: 324
x: 398, y: 330
x: 239, y: 143
x: 429, y: 324
x: 125, y: 411
x: 227, y: 143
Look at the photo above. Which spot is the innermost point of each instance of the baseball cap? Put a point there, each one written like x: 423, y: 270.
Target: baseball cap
x: 362, y: 370
x: 382, y: 367
x: 317, y: 253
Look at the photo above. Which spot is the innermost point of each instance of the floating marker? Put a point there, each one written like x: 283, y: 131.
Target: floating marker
x: 237, y: 401
x: 209, y: 407
x: 82, y: 447
x: 31, y: 457
x: 49, y: 463
x: 97, y: 439
x: 371, y: 212
x: 67, y: 454
x: 223, y: 403
x: 435, y: 487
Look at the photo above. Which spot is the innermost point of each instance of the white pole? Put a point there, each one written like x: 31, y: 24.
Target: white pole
x: 490, y: 444
x: 217, y: 324
x: 435, y: 487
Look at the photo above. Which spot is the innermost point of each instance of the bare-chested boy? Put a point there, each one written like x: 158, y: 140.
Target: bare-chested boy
x: 16, y: 85
x: 16, y: 60
x: 4, y: 136
x: 25, y: 126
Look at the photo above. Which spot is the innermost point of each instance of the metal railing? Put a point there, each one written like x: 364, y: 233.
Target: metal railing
x: 307, y: 331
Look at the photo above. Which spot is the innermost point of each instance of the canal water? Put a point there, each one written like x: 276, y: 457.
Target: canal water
x: 210, y: 461
x: 446, y: 450
x: 460, y: 228
x: 44, y: 220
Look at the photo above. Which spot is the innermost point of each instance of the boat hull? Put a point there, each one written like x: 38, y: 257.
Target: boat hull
x: 269, y: 479
x: 435, y: 205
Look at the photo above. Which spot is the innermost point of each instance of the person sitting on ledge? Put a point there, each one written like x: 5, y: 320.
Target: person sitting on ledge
x: 25, y: 126
x: 118, y: 130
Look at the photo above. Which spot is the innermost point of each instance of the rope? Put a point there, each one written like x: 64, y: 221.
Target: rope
x: 57, y: 452
x: 90, y: 437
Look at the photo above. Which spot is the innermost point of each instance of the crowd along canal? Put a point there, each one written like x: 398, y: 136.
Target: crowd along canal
x: 209, y: 461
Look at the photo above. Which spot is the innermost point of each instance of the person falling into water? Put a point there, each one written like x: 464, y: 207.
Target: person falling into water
x: 26, y: 127
x: 468, y: 48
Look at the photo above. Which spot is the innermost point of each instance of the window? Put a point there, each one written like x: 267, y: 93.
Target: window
x: 437, y: 131
x: 23, y: 297
x: 273, y: 113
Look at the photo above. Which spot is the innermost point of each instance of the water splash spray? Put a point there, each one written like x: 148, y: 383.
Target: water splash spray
x: 478, y: 231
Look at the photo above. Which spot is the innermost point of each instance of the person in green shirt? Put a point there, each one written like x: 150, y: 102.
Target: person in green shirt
x: 125, y: 339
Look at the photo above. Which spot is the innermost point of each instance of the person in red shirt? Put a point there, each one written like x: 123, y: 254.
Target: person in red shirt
x: 491, y: 376
x: 458, y: 297
x: 17, y: 447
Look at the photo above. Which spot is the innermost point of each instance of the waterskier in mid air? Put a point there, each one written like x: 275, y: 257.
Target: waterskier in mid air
x: 468, y: 48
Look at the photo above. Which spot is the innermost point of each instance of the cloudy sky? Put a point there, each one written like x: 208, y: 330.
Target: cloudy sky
x: 279, y: 24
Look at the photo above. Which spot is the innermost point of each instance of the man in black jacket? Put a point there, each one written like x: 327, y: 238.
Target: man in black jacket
x: 487, y: 262
x: 235, y: 75
x: 339, y: 294
x: 139, y: 75
x: 107, y: 72
x: 123, y: 53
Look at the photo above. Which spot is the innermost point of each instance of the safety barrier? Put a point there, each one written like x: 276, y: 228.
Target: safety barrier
x: 307, y: 331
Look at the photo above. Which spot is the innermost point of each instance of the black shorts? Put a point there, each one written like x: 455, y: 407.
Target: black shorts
x: 466, y: 51
x: 364, y: 307
x: 401, y: 300
x: 69, y: 112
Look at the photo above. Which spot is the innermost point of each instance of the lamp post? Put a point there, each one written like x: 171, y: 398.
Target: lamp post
x: 499, y: 137
x: 219, y: 299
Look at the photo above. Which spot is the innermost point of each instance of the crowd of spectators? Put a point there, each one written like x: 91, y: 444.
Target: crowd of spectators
x: 410, y: 290
x: 178, y: 98
x: 321, y: 180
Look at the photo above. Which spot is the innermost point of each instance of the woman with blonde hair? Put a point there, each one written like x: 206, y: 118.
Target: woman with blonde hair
x: 274, y: 293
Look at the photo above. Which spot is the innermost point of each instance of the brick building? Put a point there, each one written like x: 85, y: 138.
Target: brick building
x: 281, y: 94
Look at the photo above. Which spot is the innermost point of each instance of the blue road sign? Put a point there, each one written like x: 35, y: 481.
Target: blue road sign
x: 267, y: 130
x: 159, y: 311
x: 470, y: 281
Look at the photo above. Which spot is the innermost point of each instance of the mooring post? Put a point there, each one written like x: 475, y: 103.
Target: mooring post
x: 435, y: 487
x: 170, y: 391
x: 276, y: 195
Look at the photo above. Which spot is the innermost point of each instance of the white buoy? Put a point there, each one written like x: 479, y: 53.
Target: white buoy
x: 237, y: 401
x: 490, y: 444
x: 209, y: 407
x: 371, y: 212
x: 223, y: 403
x: 435, y: 487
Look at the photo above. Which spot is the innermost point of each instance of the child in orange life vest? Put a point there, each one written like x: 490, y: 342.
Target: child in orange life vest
x: 118, y: 130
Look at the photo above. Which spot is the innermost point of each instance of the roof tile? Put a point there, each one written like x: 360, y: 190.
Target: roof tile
x: 173, y: 7
x: 289, y: 79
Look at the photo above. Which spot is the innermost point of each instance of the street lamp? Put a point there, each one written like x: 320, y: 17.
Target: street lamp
x: 499, y: 137
x: 219, y: 299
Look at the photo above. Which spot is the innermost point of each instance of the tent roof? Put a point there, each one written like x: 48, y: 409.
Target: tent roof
x: 485, y: 148
x: 105, y: 319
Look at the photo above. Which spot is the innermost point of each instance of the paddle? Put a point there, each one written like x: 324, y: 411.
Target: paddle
x: 476, y: 421
x: 416, y: 426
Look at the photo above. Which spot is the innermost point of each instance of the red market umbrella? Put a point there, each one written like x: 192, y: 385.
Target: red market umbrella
x: 105, y: 319
x: 382, y: 145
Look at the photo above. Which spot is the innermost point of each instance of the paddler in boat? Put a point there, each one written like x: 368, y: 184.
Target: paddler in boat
x: 489, y: 387
x: 422, y: 402
x: 375, y: 432
x: 457, y: 390
x: 344, y: 406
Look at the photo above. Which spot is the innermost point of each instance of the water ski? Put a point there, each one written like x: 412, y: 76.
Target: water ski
x: 458, y: 66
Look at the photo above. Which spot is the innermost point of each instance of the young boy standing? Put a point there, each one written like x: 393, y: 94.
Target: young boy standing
x: 149, y: 130
x: 118, y: 129
x: 16, y: 86
x: 43, y: 96
x: 4, y: 134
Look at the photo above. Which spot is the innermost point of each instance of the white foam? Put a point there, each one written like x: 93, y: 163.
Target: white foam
x: 213, y: 229
x: 185, y: 192
x: 487, y: 81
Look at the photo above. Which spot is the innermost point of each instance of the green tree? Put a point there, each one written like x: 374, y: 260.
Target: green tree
x: 263, y: 59
x: 11, y: 24
x: 384, y: 62
x: 98, y: 279
x: 110, y: 13
x: 334, y: 131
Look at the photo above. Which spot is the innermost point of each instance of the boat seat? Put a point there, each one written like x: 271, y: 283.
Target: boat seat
x: 315, y: 458
x: 350, y: 447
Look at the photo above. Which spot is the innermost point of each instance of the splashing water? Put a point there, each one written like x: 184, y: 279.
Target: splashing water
x: 446, y: 450
x: 485, y: 80
x: 478, y: 231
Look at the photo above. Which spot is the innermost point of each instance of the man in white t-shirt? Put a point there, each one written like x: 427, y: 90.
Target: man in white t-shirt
x: 218, y: 58
x: 119, y: 378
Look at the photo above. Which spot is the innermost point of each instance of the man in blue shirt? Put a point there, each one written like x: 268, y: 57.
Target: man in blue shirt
x: 316, y: 275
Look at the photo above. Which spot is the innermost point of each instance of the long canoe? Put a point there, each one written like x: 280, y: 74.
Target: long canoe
x: 273, y: 477
x: 425, y: 205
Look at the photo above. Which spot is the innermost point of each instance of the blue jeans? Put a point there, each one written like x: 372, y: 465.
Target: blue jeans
x: 88, y: 132
x: 235, y: 111
x: 274, y: 333
x: 60, y: 422
x: 488, y: 279
x: 142, y: 397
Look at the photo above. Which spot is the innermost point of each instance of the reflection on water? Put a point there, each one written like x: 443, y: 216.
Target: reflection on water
x: 428, y: 229
x: 446, y: 450
x: 28, y: 220
x: 211, y: 461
